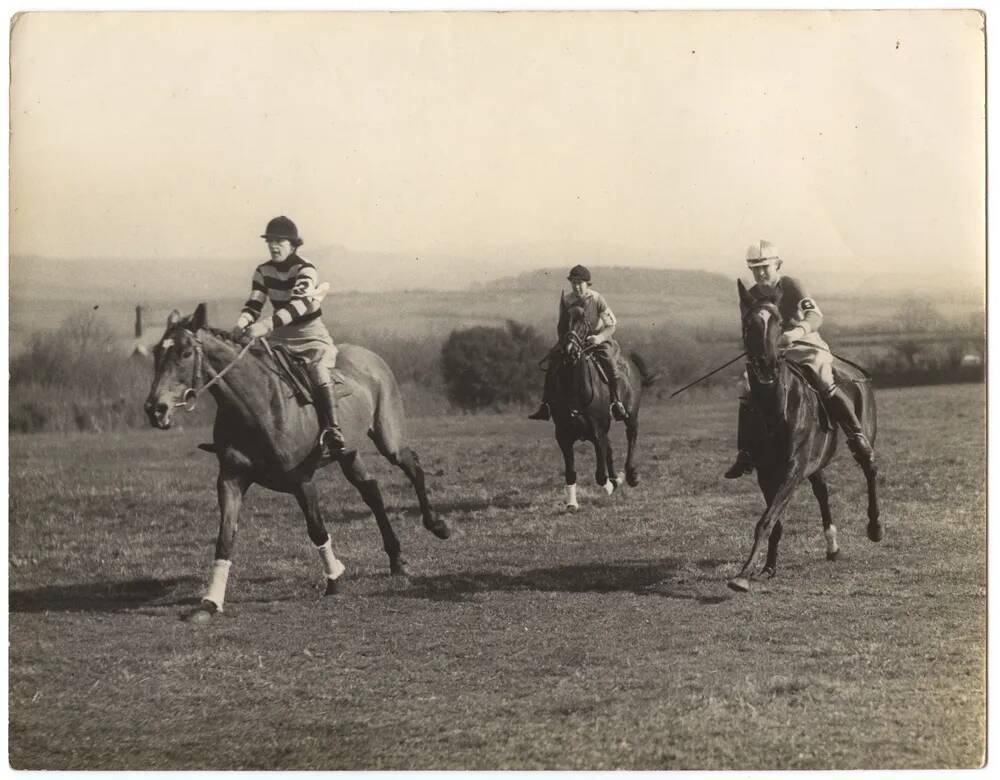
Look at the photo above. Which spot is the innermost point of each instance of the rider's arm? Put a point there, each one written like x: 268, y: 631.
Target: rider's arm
x: 255, y: 303
x: 808, y: 317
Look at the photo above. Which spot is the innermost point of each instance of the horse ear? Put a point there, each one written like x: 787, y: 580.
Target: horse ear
x: 200, y: 317
x: 746, y: 300
x: 173, y: 318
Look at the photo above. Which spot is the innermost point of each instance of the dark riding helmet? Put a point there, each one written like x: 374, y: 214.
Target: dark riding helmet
x: 283, y: 227
x: 579, y: 272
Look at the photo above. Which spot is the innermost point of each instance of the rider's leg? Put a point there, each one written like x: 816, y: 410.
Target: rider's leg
x: 609, y: 363
x: 744, y: 461
x: 842, y: 408
x: 330, y: 435
x: 543, y: 412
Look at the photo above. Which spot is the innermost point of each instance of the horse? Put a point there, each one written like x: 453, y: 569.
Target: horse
x: 581, y: 402
x: 793, y: 437
x: 263, y: 435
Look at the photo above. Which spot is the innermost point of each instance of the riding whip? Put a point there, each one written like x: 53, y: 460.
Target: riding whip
x: 717, y: 370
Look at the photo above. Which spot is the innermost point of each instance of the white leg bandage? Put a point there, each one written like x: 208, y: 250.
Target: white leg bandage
x: 220, y: 576
x: 571, y: 495
x: 831, y: 538
x: 610, y: 485
x: 331, y: 565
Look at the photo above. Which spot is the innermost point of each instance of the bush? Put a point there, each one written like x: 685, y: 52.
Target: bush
x: 492, y: 367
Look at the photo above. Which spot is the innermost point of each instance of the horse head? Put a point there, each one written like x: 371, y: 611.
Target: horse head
x: 177, y: 367
x: 761, y: 331
x: 574, y: 341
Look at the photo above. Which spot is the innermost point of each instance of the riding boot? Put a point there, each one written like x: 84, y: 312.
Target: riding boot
x: 331, y: 438
x: 744, y: 460
x: 842, y: 409
x: 544, y: 413
x: 617, y: 407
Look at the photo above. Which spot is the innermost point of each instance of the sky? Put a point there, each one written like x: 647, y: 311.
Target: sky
x: 852, y: 140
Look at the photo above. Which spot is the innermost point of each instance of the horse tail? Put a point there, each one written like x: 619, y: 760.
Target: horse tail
x: 645, y: 374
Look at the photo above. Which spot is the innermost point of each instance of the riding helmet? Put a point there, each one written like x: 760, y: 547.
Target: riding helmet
x: 761, y: 253
x: 283, y: 227
x: 579, y: 272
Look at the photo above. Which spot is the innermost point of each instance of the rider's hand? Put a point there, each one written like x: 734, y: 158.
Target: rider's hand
x: 790, y: 336
x: 594, y: 340
x: 260, y: 328
x: 238, y: 332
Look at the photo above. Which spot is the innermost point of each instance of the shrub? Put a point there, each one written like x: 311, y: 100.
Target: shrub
x: 492, y: 367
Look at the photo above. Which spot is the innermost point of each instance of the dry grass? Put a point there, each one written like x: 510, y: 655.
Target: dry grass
x: 531, y: 639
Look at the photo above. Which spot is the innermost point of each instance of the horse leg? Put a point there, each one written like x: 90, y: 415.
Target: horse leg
x: 569, y: 459
x: 356, y: 473
x: 875, y: 529
x: 613, y: 478
x: 407, y: 461
x: 230, y: 489
x: 601, y: 447
x: 822, y: 493
x: 305, y: 494
x: 783, y: 494
x: 631, y: 435
x: 769, y: 488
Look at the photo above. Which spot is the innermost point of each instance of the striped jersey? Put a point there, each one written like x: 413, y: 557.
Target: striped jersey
x: 283, y: 284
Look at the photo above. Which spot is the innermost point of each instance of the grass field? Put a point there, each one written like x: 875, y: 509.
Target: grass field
x: 532, y: 639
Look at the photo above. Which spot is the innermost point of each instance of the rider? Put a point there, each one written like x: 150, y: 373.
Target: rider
x: 289, y: 282
x: 602, y: 324
x: 801, y: 343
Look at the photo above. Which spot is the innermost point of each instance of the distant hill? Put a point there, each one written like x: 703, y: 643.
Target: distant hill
x: 691, y: 301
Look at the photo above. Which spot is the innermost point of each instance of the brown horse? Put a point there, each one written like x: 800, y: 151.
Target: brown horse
x: 792, y: 440
x: 581, y: 406
x: 263, y: 435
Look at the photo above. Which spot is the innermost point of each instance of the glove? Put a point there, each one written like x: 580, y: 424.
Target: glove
x: 260, y: 328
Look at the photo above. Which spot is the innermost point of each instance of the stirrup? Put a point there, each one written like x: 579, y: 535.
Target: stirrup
x: 742, y: 465
x: 543, y: 413
x: 332, y: 440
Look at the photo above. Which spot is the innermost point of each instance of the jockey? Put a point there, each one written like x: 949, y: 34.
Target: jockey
x: 801, y: 343
x: 289, y: 282
x: 602, y: 324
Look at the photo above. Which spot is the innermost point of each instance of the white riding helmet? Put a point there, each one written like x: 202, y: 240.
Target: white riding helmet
x: 761, y: 253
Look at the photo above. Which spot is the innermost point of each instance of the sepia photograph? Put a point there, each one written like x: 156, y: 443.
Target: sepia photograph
x: 478, y: 390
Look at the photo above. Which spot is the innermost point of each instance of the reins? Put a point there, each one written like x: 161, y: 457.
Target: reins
x: 190, y: 398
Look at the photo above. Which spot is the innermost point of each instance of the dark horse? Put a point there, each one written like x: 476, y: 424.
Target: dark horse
x: 793, y: 439
x: 263, y: 435
x: 581, y: 406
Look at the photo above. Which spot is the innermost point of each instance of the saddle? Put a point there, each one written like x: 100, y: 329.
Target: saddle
x: 295, y: 373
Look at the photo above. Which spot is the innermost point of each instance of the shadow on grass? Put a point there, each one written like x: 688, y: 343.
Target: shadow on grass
x: 106, y: 596
x: 643, y: 578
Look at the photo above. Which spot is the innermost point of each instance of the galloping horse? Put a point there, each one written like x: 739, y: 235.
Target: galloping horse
x: 263, y: 435
x: 581, y: 407
x: 791, y: 440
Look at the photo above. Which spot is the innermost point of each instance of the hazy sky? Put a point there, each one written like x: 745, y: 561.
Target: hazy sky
x: 853, y: 140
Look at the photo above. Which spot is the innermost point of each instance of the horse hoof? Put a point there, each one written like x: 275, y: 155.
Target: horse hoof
x: 333, y: 587
x: 202, y: 615
x: 572, y: 508
x: 875, y: 532
x: 399, y: 569
x: 439, y: 528
x: 832, y: 556
x: 632, y: 478
x: 610, y: 486
x: 769, y: 571
x: 739, y: 584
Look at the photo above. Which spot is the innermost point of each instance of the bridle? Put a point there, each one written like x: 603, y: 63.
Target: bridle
x: 189, y: 400
x: 757, y: 363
